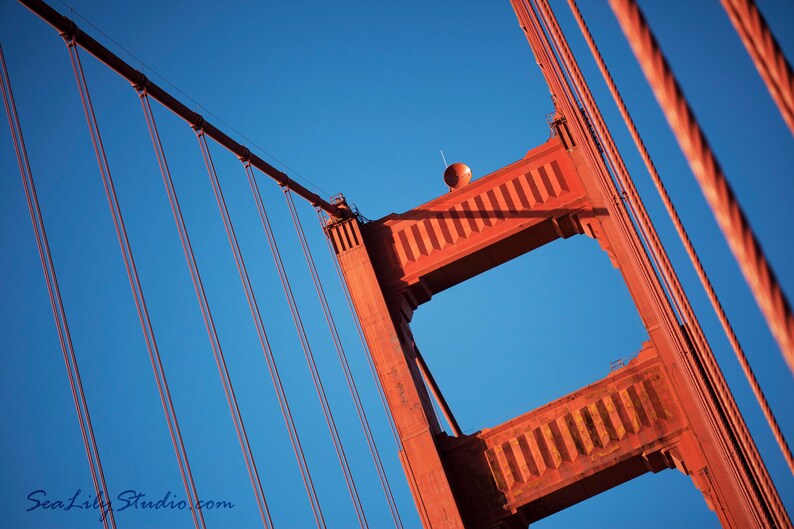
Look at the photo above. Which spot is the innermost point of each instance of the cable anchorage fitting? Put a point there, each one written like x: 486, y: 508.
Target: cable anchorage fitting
x: 198, y: 125
x: 140, y: 83
x: 245, y: 157
x: 69, y: 33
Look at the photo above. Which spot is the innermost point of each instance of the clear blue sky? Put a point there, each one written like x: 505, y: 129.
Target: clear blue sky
x: 357, y: 97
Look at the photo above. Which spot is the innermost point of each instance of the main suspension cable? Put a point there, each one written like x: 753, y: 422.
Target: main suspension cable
x: 656, y: 247
x: 56, y: 301
x: 567, y: 104
x: 624, y: 185
x: 262, y: 334
x: 766, y: 54
x: 720, y: 196
x: 137, y: 290
x: 304, y: 341
x: 340, y: 352
x: 206, y: 313
x: 136, y: 77
x: 728, y: 445
x: 682, y: 234
x: 646, y: 226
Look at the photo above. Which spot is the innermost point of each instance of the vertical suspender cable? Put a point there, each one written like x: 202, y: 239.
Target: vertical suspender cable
x: 209, y: 323
x: 611, y: 155
x: 58, y: 311
x: 657, y: 250
x: 655, y: 244
x: 354, y: 315
x: 307, y: 351
x: 542, y: 48
x: 671, y: 211
x: 757, y: 476
x: 114, y: 62
x: 137, y: 290
x: 766, y: 54
x: 721, y: 199
x: 260, y: 329
x: 565, y: 101
x: 340, y: 352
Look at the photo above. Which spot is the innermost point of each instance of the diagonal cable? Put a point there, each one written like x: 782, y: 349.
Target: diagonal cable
x: 137, y: 290
x: 690, y: 249
x: 766, y: 54
x: 56, y: 301
x: 209, y: 323
x: 340, y: 352
x: 305, y: 346
x: 720, y: 196
x: 256, y: 314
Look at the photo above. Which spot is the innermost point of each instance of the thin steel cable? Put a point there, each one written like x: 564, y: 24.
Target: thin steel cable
x: 256, y: 314
x: 206, y: 313
x: 765, y: 52
x: 637, y: 208
x: 567, y: 104
x: 440, y: 402
x: 658, y: 253
x: 307, y: 351
x: 199, y: 105
x: 354, y: 315
x: 690, y: 249
x: 340, y: 352
x: 719, y: 195
x: 405, y: 460
x: 65, y: 25
x: 137, y: 290
x: 56, y: 301
x: 657, y: 249
x: 563, y: 97
x: 708, y: 362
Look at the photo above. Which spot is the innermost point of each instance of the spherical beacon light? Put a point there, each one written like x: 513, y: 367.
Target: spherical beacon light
x: 457, y: 175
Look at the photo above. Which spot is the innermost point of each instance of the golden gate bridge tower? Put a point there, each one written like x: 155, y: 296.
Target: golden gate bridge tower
x: 669, y: 407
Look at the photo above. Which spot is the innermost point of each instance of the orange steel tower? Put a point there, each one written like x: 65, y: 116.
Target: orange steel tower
x: 669, y: 407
